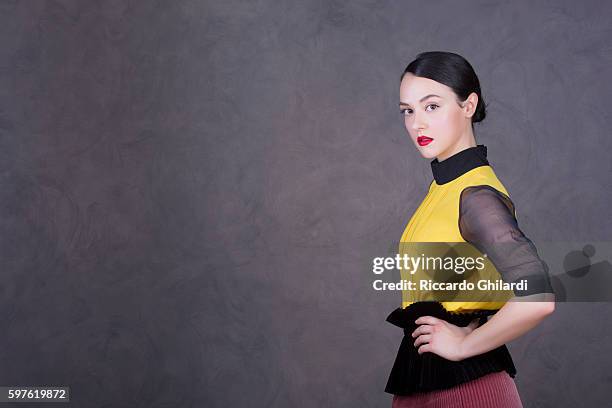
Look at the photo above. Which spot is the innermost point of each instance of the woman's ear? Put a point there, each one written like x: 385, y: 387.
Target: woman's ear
x: 470, y: 104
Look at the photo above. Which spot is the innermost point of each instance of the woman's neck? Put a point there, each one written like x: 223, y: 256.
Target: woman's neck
x: 464, y: 142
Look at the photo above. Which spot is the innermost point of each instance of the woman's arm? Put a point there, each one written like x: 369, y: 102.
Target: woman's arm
x: 456, y: 343
x: 513, y: 320
x: 487, y: 220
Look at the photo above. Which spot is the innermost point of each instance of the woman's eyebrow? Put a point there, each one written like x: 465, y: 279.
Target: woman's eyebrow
x: 422, y: 99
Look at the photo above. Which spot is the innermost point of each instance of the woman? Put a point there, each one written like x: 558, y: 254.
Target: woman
x: 453, y: 354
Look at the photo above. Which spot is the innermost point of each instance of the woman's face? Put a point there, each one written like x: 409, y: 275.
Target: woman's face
x: 438, y: 125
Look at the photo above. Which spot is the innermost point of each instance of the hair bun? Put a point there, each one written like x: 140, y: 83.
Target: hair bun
x: 480, y: 113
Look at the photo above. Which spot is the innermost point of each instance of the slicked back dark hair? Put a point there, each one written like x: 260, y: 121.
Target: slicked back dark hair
x: 453, y: 71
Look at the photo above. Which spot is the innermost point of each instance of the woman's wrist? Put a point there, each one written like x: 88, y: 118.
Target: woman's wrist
x: 465, y: 346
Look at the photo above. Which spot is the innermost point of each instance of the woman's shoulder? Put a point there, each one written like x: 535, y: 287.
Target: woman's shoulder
x: 483, y: 177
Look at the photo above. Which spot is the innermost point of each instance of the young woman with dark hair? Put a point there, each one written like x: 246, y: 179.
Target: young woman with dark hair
x: 453, y: 354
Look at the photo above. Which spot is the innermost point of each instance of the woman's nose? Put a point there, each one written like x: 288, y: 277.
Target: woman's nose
x: 417, y: 123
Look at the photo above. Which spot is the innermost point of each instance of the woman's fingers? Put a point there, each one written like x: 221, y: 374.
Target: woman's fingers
x: 424, y: 348
x: 423, y: 338
x: 426, y: 325
x: 441, y: 337
x: 427, y: 320
x: 423, y: 329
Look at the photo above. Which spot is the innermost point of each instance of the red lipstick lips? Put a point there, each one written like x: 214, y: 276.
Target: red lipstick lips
x: 424, y: 140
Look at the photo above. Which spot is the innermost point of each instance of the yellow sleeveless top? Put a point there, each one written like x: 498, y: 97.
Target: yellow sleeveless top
x: 436, y: 220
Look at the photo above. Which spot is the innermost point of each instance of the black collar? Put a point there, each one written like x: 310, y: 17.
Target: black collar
x: 459, y: 163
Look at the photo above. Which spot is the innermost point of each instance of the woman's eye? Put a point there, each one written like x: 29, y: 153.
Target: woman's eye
x: 409, y: 111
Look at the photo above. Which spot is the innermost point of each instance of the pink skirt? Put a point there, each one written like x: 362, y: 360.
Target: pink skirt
x: 492, y: 390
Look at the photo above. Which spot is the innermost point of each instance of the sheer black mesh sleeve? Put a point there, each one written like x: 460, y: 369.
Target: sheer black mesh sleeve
x: 487, y: 220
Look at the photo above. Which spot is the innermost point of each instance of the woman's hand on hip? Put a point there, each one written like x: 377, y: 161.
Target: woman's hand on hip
x: 441, y: 337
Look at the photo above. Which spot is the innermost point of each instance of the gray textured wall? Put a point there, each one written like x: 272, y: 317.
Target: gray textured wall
x: 191, y: 191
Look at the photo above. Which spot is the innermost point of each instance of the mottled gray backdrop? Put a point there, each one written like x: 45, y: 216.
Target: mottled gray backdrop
x: 192, y: 191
